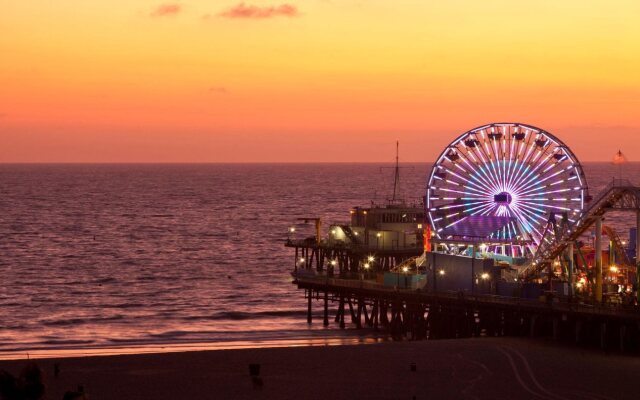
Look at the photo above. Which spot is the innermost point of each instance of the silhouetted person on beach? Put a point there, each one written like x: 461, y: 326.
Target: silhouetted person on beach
x: 74, y: 396
x: 28, y: 386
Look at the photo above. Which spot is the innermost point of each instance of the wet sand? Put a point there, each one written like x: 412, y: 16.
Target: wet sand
x: 448, y: 369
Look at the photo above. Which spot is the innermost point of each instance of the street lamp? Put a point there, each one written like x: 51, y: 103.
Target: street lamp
x: 405, y: 270
x: 378, y: 236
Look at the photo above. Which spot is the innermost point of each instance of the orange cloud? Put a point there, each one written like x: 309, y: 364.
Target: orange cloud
x: 166, y: 9
x: 215, y: 89
x: 255, y: 12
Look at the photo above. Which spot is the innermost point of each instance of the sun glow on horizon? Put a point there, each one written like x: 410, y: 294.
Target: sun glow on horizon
x: 181, y: 81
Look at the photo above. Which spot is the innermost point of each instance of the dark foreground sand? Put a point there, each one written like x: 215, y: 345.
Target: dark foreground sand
x: 451, y: 369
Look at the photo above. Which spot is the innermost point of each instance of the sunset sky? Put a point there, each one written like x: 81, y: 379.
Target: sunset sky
x: 312, y: 80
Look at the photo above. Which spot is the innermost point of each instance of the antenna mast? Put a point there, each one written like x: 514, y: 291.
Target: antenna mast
x: 396, y: 179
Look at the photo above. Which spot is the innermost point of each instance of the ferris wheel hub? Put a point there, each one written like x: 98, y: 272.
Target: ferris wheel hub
x: 503, y: 198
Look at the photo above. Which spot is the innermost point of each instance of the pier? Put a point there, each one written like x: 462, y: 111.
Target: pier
x: 500, y: 247
x: 417, y: 315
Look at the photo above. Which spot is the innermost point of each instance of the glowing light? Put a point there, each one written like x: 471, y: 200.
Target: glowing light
x: 405, y: 269
x: 378, y: 234
x: 302, y: 260
x: 484, y: 276
x: 441, y: 272
x: 292, y: 229
x: 333, y: 262
x: 503, y: 174
x: 614, y: 269
x: 371, y: 258
x: 366, y: 266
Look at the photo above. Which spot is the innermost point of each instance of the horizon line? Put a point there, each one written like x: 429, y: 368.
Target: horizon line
x: 238, y: 162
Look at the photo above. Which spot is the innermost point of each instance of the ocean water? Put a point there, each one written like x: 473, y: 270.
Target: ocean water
x: 112, y: 256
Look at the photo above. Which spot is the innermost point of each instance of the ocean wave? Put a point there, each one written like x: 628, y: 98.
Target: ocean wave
x: 123, y: 305
x: 240, y: 315
x: 80, y: 321
x: 61, y: 342
x: 105, y: 280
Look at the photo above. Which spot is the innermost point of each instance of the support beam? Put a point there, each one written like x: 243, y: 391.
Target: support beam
x: 598, y: 249
x: 341, y: 312
x: 309, y: 317
x: 638, y: 255
x: 325, y: 321
x: 571, y: 269
x: 359, y: 313
x: 473, y: 269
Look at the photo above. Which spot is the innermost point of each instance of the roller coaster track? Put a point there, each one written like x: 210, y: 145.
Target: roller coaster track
x: 621, y: 255
x: 619, y: 195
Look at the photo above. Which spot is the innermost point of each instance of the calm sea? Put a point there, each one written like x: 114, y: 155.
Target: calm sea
x: 108, y: 256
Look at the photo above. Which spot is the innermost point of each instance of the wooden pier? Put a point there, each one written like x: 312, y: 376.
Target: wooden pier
x: 418, y: 315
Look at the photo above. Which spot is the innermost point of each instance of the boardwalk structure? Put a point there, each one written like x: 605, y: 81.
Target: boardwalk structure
x: 495, y: 251
x: 358, y: 291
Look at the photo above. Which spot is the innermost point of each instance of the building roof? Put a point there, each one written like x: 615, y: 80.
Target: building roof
x: 484, y: 227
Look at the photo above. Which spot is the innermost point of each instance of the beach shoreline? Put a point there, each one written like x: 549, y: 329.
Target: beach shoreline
x: 182, y: 347
x: 483, y: 368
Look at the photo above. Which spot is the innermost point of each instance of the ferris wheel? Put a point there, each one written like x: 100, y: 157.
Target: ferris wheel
x: 510, y: 170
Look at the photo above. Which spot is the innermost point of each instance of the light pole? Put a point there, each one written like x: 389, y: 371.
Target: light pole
x: 405, y: 270
x: 365, y: 271
x: 441, y: 273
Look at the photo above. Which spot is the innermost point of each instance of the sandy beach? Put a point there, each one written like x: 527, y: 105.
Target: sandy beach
x: 451, y: 369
